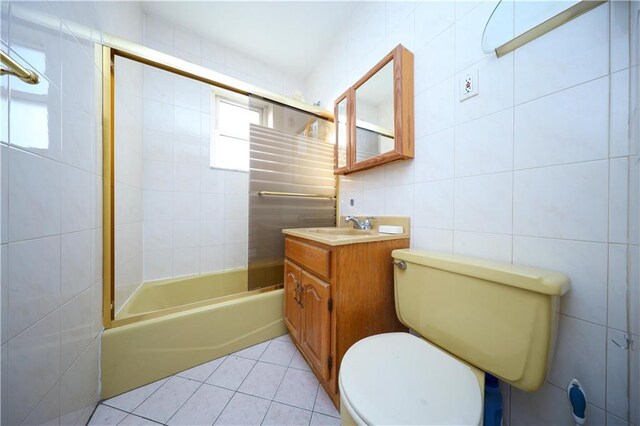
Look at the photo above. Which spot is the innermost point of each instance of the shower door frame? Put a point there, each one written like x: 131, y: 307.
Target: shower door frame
x: 111, y: 48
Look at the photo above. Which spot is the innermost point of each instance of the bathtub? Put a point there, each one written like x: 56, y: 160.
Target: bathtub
x: 163, y: 295
x: 172, y: 325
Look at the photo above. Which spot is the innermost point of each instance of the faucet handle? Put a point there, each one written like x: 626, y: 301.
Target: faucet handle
x: 367, y: 222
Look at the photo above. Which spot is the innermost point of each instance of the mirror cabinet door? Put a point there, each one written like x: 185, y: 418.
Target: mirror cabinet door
x: 374, y: 111
x: 342, y: 134
x: 374, y: 117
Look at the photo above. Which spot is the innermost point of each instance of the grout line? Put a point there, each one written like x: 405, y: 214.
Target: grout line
x: 224, y: 408
x: 41, y: 399
x: 288, y: 405
x: 282, y: 380
x: 210, y: 374
x: 25, y: 150
x: 166, y: 379
x: 608, y: 271
x: 143, y: 417
x: 267, y: 412
x: 583, y: 320
x: 60, y: 234
x: 522, y: 235
x: 564, y: 89
x: 255, y: 362
x: 315, y: 400
x: 186, y: 400
x: 108, y: 406
x: 453, y: 131
x: 124, y: 411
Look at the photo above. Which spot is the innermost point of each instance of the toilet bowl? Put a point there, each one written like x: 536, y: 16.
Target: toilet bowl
x: 473, y: 316
x: 398, y: 378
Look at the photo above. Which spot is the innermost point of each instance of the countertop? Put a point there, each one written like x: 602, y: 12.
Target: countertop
x: 337, y: 236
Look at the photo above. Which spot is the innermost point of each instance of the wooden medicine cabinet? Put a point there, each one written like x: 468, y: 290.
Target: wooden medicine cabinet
x: 374, y: 117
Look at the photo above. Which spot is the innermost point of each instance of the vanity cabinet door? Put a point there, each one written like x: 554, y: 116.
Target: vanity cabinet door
x: 315, y: 338
x: 292, y: 296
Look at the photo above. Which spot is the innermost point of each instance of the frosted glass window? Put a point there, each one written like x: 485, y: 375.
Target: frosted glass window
x: 230, y: 138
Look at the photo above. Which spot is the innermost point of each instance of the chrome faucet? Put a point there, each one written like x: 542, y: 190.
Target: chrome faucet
x: 365, y: 224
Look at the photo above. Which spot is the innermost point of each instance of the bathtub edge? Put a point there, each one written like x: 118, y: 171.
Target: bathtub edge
x: 142, y: 353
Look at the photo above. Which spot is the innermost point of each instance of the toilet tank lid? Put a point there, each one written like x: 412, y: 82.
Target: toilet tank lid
x: 528, y: 278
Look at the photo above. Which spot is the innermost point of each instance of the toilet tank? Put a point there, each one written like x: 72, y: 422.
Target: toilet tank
x: 499, y: 317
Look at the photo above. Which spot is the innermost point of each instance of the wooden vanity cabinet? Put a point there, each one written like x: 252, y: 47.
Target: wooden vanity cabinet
x: 335, y: 296
x: 292, y: 306
x: 315, y: 335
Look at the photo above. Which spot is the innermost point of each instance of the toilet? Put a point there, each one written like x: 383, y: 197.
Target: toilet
x: 473, y: 316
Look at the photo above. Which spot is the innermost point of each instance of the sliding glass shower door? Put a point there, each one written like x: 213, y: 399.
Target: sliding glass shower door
x: 291, y: 184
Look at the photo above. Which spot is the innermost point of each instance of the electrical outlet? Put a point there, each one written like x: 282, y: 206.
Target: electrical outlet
x: 469, y: 85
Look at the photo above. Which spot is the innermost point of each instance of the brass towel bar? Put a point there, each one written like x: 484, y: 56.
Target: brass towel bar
x: 294, y: 194
x: 16, y: 69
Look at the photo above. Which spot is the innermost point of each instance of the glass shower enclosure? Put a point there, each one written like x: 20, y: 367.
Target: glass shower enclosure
x: 291, y: 185
x: 201, y: 174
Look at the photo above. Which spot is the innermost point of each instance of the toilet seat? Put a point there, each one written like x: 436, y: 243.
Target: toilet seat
x: 398, y: 378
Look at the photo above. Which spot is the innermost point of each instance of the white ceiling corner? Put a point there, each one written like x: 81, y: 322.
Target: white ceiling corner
x: 290, y: 36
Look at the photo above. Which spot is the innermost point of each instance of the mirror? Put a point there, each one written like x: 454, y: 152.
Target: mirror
x: 342, y: 130
x: 375, y: 116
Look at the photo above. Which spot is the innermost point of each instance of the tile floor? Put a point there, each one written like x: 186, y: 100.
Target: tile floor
x: 266, y: 384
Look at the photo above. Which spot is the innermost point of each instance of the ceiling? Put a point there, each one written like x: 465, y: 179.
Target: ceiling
x: 290, y: 36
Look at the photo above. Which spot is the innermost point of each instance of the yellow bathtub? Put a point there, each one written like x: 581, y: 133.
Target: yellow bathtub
x: 172, y: 325
x: 161, y: 295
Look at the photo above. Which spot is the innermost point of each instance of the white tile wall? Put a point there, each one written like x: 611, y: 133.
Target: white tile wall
x: 554, y: 129
x: 484, y: 145
x: 35, y: 198
x: 581, y: 354
x: 195, y: 217
x: 51, y: 263
x: 568, y: 201
x: 192, y: 213
x: 533, y: 171
x: 33, y: 292
x: 483, y: 203
x: 495, y: 246
x: 619, y: 127
x: 584, y: 262
x: 568, y: 57
x: 633, y: 266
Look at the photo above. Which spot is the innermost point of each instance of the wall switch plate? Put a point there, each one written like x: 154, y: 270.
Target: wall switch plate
x: 469, y: 85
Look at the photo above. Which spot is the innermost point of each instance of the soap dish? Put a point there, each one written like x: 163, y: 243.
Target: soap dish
x: 390, y: 229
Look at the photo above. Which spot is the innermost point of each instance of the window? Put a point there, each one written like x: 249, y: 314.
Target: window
x: 230, y: 135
